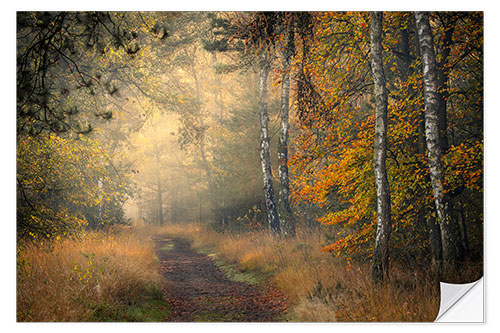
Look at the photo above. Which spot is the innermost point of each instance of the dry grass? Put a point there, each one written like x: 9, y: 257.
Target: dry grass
x: 89, y: 279
x: 320, y: 287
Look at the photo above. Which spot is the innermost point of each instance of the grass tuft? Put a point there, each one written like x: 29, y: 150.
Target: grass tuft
x: 99, y: 277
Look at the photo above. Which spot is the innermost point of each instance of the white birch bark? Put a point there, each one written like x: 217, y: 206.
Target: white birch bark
x: 285, y: 211
x: 450, y: 237
x: 380, y: 267
x: 272, y: 212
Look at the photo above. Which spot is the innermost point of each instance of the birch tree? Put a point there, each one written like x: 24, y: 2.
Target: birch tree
x: 285, y: 211
x: 272, y: 212
x: 380, y: 267
x: 450, y: 234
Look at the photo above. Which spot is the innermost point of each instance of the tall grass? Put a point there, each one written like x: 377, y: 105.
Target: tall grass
x: 97, y: 277
x: 320, y: 286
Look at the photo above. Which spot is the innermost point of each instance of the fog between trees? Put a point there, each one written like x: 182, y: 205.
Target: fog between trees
x: 256, y: 121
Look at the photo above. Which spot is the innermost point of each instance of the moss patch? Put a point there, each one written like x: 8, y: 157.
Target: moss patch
x: 232, y: 271
x: 150, y: 311
x: 234, y: 274
x: 167, y: 247
x: 151, y: 307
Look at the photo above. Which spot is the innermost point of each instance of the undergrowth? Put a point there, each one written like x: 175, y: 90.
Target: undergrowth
x: 99, y: 277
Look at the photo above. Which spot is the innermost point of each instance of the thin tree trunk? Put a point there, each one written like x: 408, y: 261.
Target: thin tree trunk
x: 463, y: 232
x: 174, y: 204
x: 450, y: 234
x: 160, y: 202
x: 158, y: 183
x: 442, y: 77
x: 218, y: 90
x: 101, y: 206
x: 380, y: 267
x: 272, y: 212
x: 285, y: 211
x: 201, y: 206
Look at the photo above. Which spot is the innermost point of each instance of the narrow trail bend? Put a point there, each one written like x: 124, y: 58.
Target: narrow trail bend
x: 198, y: 290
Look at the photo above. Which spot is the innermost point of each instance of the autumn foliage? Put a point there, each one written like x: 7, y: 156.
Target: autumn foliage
x: 332, y: 163
x: 66, y: 184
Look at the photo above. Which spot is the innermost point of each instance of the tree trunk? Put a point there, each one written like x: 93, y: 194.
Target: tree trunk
x: 434, y: 231
x: 463, y: 232
x: 442, y: 79
x: 160, y: 202
x: 173, y: 215
x: 218, y: 90
x: 450, y: 234
x: 272, y: 212
x: 285, y: 211
x: 435, y: 242
x: 380, y: 267
x: 158, y: 184
x: 201, y: 206
x: 101, y: 206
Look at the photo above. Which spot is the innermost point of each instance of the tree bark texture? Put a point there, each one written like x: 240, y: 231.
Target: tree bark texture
x: 450, y: 234
x: 285, y: 211
x: 380, y: 267
x: 272, y: 212
x: 435, y: 242
x: 434, y: 231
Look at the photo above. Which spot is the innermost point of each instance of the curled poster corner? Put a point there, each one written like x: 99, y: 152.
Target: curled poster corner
x: 461, y: 302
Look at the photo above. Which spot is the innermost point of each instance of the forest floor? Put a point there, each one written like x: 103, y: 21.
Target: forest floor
x: 201, y: 288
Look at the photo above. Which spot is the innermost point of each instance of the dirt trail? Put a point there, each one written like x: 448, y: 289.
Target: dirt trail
x: 198, y: 290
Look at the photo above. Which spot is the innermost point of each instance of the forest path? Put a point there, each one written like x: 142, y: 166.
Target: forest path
x: 198, y: 290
